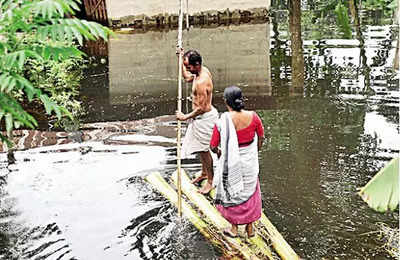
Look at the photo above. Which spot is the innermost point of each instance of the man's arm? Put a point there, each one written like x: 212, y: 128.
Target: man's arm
x: 188, y: 77
x: 186, y: 74
x: 200, y: 102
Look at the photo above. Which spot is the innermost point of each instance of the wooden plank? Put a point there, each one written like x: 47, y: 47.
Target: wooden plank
x: 96, y: 10
x: 232, y: 248
x: 87, y: 8
x: 104, y: 12
x: 96, y: 5
x: 258, y: 245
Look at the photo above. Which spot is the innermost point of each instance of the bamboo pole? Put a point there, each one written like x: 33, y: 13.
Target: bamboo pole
x: 257, y: 244
x: 187, y: 15
x: 231, y: 248
x: 267, y: 230
x: 397, y: 20
x: 396, y: 56
x: 178, y: 162
x: 187, y: 44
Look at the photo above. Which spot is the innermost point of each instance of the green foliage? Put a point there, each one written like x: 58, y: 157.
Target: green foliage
x: 327, y: 5
x: 380, y: 4
x: 324, y: 10
x: 60, y: 79
x: 35, y: 32
x: 382, y: 191
x: 343, y: 21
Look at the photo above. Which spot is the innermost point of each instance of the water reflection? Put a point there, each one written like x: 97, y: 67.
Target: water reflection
x: 89, y: 201
x: 322, y: 153
x: 143, y: 75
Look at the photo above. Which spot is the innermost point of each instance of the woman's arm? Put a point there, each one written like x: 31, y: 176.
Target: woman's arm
x: 259, y: 131
x: 260, y: 142
x: 214, y: 142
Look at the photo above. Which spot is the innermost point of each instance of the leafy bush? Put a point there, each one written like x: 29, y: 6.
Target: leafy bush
x: 36, y: 31
x: 60, y: 80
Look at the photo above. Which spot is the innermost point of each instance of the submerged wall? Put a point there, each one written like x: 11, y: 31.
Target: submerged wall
x: 143, y: 67
x: 149, y: 13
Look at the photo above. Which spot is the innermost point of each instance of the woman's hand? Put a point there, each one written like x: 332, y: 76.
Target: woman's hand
x: 216, y: 150
x: 218, y: 153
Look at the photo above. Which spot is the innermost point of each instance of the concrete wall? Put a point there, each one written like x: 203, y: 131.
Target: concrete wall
x: 143, y: 67
x: 121, y: 8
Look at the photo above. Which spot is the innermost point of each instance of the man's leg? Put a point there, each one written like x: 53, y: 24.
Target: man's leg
x: 203, y: 175
x: 207, y: 165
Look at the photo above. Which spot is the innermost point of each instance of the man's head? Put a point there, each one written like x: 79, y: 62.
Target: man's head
x: 192, y: 61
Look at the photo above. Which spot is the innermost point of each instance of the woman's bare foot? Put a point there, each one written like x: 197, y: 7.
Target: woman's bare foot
x: 199, y: 179
x: 250, y: 230
x: 206, y: 188
x: 228, y: 232
x: 231, y: 231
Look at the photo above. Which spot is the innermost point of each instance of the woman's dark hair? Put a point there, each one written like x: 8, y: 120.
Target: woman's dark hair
x: 233, y: 97
x: 194, y: 57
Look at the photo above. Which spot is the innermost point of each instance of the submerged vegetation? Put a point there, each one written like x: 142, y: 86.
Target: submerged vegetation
x: 391, y: 238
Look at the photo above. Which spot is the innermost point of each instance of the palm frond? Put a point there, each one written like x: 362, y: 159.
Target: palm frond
x: 72, y: 28
x: 13, y: 114
x: 52, y: 8
x: 16, y: 60
x: 58, y: 53
x: 382, y: 191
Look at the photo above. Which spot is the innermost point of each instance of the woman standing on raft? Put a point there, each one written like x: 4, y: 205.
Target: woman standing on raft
x: 238, y: 195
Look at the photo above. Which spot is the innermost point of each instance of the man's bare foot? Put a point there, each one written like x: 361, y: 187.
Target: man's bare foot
x: 199, y: 179
x: 206, y: 188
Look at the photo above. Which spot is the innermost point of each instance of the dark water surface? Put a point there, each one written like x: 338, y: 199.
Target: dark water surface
x: 84, y: 197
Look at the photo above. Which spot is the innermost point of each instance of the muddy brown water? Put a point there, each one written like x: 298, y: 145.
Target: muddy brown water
x: 81, y: 195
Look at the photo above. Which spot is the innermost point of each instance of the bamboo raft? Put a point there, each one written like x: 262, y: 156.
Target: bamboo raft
x: 206, y: 218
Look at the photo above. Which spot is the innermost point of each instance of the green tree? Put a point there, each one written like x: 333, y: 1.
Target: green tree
x: 36, y: 30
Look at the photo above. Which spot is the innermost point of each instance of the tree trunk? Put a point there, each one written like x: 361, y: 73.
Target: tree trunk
x: 354, y: 13
x: 296, y: 47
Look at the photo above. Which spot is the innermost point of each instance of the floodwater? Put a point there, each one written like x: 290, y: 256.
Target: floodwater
x: 81, y: 195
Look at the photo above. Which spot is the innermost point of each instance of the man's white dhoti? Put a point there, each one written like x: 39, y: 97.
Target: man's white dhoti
x: 198, y: 133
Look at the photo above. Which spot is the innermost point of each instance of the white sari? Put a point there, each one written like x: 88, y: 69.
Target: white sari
x: 236, y: 176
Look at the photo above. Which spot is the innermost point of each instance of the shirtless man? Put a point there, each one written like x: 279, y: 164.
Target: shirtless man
x: 202, y: 118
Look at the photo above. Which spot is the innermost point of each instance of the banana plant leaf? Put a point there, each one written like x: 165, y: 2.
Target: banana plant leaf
x: 382, y: 191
